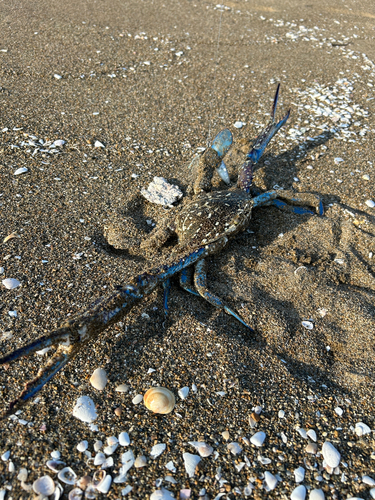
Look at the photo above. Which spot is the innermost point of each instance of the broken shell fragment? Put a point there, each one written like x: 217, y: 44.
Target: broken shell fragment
x: 11, y: 283
x: 140, y: 461
x: 85, y: 409
x: 159, y: 400
x: 204, y: 449
x: 10, y: 236
x: 99, y: 379
x: 44, y: 486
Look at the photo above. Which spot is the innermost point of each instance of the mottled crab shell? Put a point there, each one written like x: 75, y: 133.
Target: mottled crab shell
x: 159, y: 400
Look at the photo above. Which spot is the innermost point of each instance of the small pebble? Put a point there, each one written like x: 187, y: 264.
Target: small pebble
x: 137, y: 399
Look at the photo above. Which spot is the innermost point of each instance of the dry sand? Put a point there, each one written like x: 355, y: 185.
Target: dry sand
x: 149, y: 80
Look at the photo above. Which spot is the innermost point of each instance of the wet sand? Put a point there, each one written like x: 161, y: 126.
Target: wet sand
x: 151, y: 81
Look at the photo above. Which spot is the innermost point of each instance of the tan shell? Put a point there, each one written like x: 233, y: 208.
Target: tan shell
x: 159, y: 400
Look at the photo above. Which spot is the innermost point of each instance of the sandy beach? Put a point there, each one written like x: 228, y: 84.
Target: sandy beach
x: 96, y: 99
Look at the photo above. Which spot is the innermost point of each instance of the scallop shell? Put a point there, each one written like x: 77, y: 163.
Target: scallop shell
x: 159, y: 400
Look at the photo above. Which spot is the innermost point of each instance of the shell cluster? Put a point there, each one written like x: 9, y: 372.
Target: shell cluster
x: 159, y: 400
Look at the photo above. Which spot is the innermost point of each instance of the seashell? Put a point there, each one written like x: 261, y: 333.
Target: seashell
x: 298, y: 493
x: 159, y: 400
x: 118, y: 411
x: 83, y: 482
x: 316, y: 495
x: 127, y: 460
x: 104, y: 486
x: 20, y: 171
x: 57, y: 77
x: 5, y: 456
x: 234, y: 448
x: 308, y: 325
x: 99, y: 476
x: 99, y: 458
x: 271, y: 480
x: 140, y: 461
x: 183, y: 393
x: 98, y: 144
x: 204, y: 449
x: 112, y: 440
x: 85, y: 409
x: 191, y: 462
x: 281, y: 414
x: 1, y: 270
x: 225, y: 435
x: 124, y: 439
x: 311, y: 448
x: 331, y: 455
x: 91, y: 493
x: 98, y: 444
x: 126, y: 490
x: 258, y: 438
x: 58, y: 492
x: 55, y: 465
x: 122, y: 388
x: 22, y: 475
x: 170, y: 466
x: 299, y: 474
x: 44, y: 486
x: 76, y: 494
x: 58, y: 143
x: 311, y: 434
x: 99, y: 379
x: 370, y: 203
x: 67, y: 475
x: 109, y: 450
x: 137, y: 399
x: 11, y: 283
x: 157, y: 450
x: 82, y: 446
x: 10, y: 236
x: 107, y: 463
x: 361, y: 429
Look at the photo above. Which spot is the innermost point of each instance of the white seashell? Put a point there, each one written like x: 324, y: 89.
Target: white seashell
x: 99, y: 379
x: 264, y: 460
x: 85, y: 409
x: 331, y: 455
x: 98, y: 144
x: 67, y: 476
x: 170, y: 479
x: 124, y: 439
x: 140, y: 461
x: 298, y: 493
x: 308, y: 325
x: 170, y: 466
x: 183, y: 393
x: 55, y: 465
x: 302, y: 432
x: 223, y: 172
x: 361, y: 429
x: 59, y: 143
x: 258, y: 438
x: 5, y: 456
x: 1, y: 270
x: 108, y: 450
x: 99, y: 476
x: 368, y: 480
x: 271, y: 480
x: 11, y: 283
x: 191, y: 462
x: 127, y: 460
x: 22, y: 474
x: 20, y: 171
x: 339, y: 411
x: 104, y: 485
x: 370, y: 203
x: 238, y: 124
x: 57, y: 77
x: 112, y: 440
x: 137, y: 399
x: 281, y: 414
x: 126, y: 490
x: 107, y: 463
x: 159, y: 400
x: 311, y: 434
x: 225, y: 435
x: 44, y: 486
x: 157, y: 450
x: 82, y: 446
x: 122, y: 388
x: 299, y: 474
x: 204, y: 449
x: 234, y: 448
x: 13, y: 314
x: 75, y: 494
x: 162, y: 494
x: 316, y: 495
x: 98, y: 444
x: 99, y: 458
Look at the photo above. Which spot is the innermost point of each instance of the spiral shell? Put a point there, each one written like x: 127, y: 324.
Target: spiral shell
x: 159, y: 400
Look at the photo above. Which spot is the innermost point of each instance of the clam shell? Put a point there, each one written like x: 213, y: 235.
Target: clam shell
x: 99, y: 477
x: 67, y: 476
x: 55, y: 465
x: 75, y: 494
x: 11, y: 283
x: 44, y: 486
x: 159, y: 400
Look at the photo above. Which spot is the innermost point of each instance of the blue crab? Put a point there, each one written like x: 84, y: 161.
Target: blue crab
x: 204, y: 225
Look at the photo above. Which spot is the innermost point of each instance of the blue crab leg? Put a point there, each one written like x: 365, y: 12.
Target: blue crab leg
x: 299, y: 199
x: 285, y: 207
x: 245, y: 176
x: 200, y: 279
x: 186, y: 276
